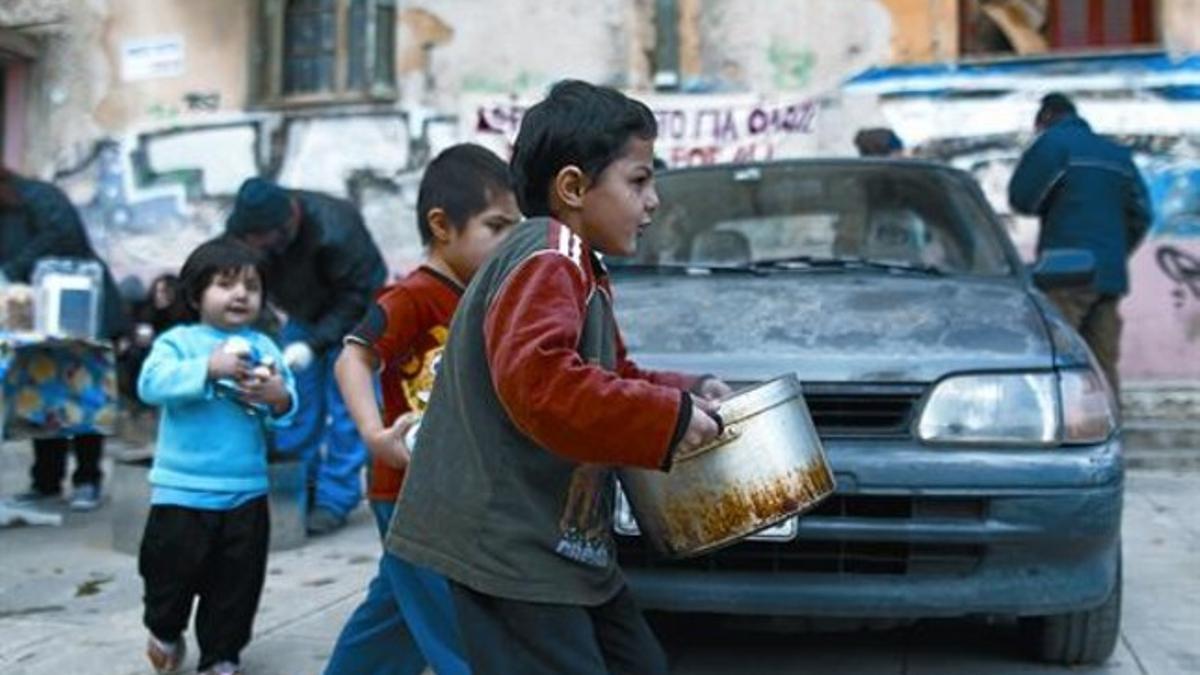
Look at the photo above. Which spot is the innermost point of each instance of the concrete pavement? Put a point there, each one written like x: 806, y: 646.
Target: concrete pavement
x: 70, y: 604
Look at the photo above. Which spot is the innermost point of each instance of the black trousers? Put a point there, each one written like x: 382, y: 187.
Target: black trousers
x: 50, y: 461
x: 218, y: 556
x: 512, y: 637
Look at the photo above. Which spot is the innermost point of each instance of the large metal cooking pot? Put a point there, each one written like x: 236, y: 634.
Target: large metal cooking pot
x: 767, y: 465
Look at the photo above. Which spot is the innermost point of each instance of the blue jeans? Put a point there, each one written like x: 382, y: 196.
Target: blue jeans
x: 406, y: 621
x: 323, y: 434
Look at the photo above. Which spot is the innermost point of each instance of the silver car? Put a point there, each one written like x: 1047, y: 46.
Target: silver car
x: 974, y: 441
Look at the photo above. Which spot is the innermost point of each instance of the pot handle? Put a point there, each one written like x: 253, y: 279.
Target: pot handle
x: 716, y: 417
x: 725, y: 435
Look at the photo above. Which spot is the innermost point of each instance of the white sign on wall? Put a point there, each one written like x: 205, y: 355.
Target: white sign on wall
x: 693, y: 130
x: 152, y: 58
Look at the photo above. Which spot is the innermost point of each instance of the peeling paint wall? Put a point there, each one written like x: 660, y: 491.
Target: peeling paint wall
x: 789, y: 46
x: 153, y: 162
x: 215, y: 37
x: 512, y: 46
x: 923, y: 30
x: 1180, y: 26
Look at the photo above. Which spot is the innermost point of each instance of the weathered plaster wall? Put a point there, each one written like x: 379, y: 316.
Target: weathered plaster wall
x: 504, y: 47
x: 923, y: 30
x: 65, y: 82
x: 789, y: 46
x: 216, y: 38
x: 154, y: 163
x: 1180, y: 25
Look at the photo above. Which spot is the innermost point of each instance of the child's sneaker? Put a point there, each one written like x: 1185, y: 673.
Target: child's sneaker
x: 166, y: 657
x: 223, y: 668
x: 86, y: 497
x: 321, y: 520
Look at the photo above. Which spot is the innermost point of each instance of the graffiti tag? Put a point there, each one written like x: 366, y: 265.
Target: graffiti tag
x: 1182, y: 268
x: 792, y: 67
x: 202, y: 101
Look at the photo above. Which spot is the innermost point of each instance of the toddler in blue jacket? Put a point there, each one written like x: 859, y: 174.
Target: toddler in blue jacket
x: 208, y: 529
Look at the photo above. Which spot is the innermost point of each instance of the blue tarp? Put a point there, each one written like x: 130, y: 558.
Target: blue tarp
x: 1173, y: 78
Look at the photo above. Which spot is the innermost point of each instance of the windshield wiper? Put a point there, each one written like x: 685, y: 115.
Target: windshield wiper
x: 695, y: 269
x: 847, y: 262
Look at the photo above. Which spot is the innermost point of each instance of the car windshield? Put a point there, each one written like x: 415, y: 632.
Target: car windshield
x: 869, y: 215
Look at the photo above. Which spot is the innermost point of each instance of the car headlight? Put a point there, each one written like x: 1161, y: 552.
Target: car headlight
x: 1041, y: 409
x: 1004, y: 409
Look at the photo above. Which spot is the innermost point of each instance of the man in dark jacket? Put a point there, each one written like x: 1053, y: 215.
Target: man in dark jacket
x: 1089, y: 195
x: 323, y: 269
x: 38, y: 221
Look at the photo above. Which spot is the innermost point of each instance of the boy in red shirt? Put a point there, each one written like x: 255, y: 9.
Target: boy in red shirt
x: 511, y: 488
x: 465, y: 207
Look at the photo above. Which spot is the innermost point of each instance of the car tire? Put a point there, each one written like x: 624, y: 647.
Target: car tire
x: 1075, y: 638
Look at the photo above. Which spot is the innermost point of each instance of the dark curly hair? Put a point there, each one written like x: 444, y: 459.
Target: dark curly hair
x: 577, y: 124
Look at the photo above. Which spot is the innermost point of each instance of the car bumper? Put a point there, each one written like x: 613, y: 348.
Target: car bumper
x: 920, y: 532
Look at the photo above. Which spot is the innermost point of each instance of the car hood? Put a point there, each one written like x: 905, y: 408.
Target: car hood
x: 830, y: 327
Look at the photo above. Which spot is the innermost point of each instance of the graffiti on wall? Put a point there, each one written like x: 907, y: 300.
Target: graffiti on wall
x: 1163, y: 306
x: 1174, y: 185
x: 152, y: 195
x: 148, y: 198
x: 1183, y: 268
x: 979, y: 117
x: 792, y: 68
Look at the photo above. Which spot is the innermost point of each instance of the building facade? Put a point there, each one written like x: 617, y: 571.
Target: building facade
x: 150, y: 113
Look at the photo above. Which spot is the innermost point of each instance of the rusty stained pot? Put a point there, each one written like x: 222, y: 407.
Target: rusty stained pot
x: 767, y: 465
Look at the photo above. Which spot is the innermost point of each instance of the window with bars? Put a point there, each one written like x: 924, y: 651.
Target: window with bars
x: 1084, y: 24
x: 327, y: 51
x: 1039, y: 26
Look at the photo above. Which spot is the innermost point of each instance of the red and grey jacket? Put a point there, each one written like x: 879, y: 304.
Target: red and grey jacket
x: 510, y: 491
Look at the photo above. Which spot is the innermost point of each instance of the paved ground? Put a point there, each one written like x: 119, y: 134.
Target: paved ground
x: 70, y: 604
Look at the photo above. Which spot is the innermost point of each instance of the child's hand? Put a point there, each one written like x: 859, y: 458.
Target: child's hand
x: 269, y: 390
x: 702, y: 429
x: 713, y: 388
x: 222, y: 364
x: 388, y: 443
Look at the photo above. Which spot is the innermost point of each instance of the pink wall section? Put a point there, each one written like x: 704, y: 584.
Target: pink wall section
x: 1161, y: 339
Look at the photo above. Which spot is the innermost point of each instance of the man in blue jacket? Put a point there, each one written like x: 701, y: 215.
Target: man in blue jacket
x: 1089, y: 195
x: 324, y: 268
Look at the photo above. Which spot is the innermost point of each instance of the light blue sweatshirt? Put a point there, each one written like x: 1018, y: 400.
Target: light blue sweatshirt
x: 211, y: 452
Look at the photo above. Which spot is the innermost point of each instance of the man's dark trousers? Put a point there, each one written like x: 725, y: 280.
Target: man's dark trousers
x: 1096, y: 318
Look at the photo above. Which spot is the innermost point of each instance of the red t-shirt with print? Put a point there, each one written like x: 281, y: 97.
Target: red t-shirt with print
x: 406, y: 326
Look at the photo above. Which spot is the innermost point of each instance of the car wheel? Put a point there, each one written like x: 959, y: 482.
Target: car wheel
x: 1086, y: 637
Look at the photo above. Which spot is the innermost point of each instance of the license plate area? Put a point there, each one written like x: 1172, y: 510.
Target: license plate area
x: 625, y: 524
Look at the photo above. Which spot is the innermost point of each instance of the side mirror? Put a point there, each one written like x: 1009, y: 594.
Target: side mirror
x: 1064, y: 268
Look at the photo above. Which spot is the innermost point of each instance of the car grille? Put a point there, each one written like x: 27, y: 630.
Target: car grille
x: 817, y: 557
x: 841, y: 410
x: 831, y: 556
